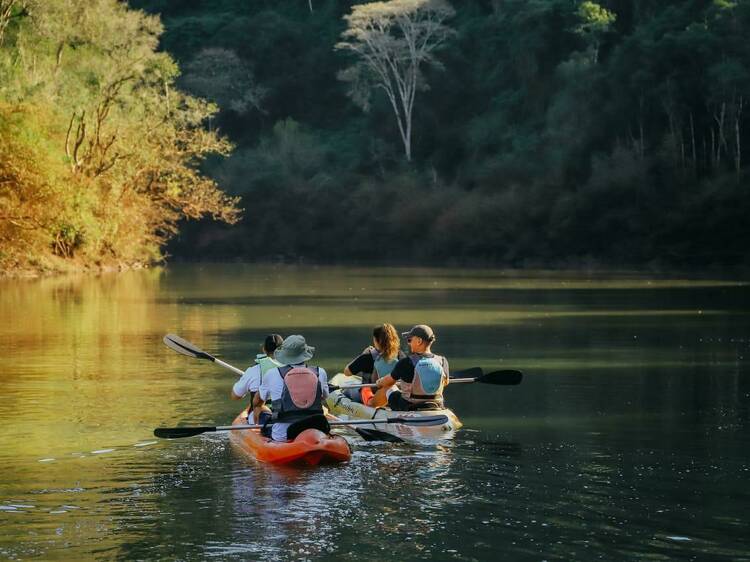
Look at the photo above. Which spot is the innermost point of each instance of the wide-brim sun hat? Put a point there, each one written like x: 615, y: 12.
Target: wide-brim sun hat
x: 294, y: 350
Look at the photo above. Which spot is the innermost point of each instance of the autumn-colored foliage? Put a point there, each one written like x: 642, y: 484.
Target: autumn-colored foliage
x: 99, y: 152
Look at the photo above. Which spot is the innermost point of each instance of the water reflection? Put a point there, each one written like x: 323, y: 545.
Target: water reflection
x: 627, y: 439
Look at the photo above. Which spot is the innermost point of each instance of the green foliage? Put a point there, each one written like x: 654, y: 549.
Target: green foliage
x: 99, y: 150
x: 556, y: 131
x: 220, y: 76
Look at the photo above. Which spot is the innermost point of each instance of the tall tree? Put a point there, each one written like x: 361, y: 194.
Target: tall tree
x: 595, y: 22
x: 392, y: 40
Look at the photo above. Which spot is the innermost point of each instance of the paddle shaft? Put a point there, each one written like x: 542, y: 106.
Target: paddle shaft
x: 185, y: 347
x: 373, y: 385
x: 422, y: 420
x: 364, y: 385
x: 228, y: 366
x: 476, y: 370
x: 178, y: 432
x: 503, y: 377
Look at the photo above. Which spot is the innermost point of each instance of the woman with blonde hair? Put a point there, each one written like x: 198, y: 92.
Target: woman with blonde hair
x: 376, y: 361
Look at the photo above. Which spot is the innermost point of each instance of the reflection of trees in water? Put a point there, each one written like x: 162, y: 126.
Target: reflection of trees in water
x: 82, y: 340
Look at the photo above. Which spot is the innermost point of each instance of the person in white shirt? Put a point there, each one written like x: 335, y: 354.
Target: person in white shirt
x: 293, y: 354
x: 251, y: 380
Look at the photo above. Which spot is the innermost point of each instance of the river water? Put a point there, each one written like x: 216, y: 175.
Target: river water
x: 628, y: 438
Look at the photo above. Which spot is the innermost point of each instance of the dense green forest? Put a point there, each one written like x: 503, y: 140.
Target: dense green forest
x: 533, y: 132
x: 548, y: 132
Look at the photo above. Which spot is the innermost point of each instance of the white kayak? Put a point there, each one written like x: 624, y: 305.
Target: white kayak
x: 346, y: 409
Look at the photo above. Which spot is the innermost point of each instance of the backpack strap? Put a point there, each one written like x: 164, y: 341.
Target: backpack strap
x: 283, y: 371
x: 416, y: 357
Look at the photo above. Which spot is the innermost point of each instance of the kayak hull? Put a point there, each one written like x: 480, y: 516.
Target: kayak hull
x: 346, y: 409
x: 310, y: 448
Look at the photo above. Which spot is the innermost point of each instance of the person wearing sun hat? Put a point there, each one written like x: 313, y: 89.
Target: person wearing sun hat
x: 421, y: 376
x: 295, y: 388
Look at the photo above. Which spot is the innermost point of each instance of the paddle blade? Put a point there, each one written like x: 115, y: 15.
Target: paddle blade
x: 178, y: 432
x: 503, y: 377
x: 185, y: 347
x: 473, y: 373
x: 421, y: 420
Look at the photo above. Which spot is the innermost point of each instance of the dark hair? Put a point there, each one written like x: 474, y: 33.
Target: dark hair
x: 387, y: 337
x: 271, y: 342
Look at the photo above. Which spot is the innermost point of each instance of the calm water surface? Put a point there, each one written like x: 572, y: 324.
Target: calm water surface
x: 628, y: 438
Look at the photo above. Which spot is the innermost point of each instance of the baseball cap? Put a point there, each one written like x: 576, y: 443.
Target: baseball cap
x: 420, y: 331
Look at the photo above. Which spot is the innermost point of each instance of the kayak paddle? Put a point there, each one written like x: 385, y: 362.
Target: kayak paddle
x: 471, y: 373
x: 505, y: 377
x: 177, y: 432
x: 502, y: 377
x: 186, y: 348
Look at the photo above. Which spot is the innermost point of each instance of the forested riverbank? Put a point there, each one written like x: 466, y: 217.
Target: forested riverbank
x: 545, y: 132
x: 98, y: 149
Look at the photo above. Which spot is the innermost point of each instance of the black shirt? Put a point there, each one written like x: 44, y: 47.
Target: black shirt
x: 365, y: 363
x: 404, y: 369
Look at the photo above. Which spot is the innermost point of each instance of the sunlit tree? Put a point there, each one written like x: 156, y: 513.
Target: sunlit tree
x: 595, y: 22
x: 99, y: 152
x: 392, y: 41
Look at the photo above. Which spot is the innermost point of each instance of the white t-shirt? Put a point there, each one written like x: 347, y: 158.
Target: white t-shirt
x: 272, y: 387
x: 249, y: 382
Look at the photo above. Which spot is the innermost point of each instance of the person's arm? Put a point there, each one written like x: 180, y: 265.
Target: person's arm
x: 264, y: 390
x: 397, y: 374
x: 447, y: 372
x: 380, y: 398
x: 323, y: 378
x: 385, y: 382
x: 362, y: 364
x: 245, y: 383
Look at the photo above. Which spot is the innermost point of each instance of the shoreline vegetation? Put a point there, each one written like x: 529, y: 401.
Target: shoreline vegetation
x: 515, y: 134
x: 99, y: 152
x: 651, y: 274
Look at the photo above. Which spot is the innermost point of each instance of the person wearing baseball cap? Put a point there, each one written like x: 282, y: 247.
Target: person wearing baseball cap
x: 420, y: 377
x: 420, y: 331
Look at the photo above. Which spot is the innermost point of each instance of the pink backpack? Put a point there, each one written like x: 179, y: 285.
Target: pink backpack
x: 302, y: 394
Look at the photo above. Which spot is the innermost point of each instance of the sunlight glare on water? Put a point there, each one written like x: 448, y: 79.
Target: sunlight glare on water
x: 626, y: 440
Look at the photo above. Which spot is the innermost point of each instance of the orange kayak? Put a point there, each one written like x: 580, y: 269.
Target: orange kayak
x: 311, y: 447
